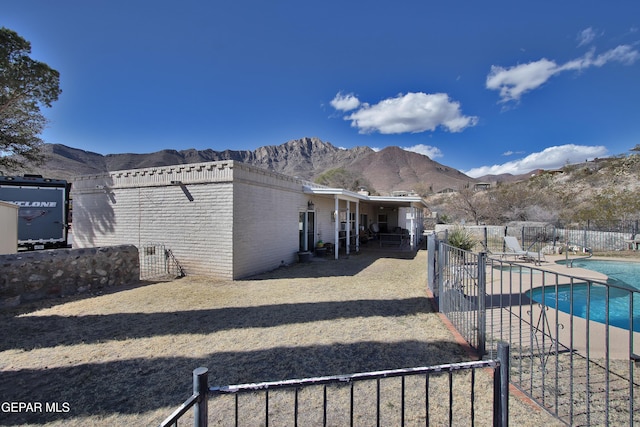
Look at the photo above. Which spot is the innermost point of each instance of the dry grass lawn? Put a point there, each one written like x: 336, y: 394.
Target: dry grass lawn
x: 126, y: 357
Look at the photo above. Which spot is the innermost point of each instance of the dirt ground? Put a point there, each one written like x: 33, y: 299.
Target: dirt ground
x: 126, y: 357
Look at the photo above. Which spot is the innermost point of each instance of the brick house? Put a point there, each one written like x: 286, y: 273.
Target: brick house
x: 228, y: 219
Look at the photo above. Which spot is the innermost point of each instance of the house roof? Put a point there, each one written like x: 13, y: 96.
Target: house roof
x: 208, y: 172
x: 353, y: 196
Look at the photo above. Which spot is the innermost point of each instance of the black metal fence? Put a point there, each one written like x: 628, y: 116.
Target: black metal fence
x: 158, y: 262
x: 199, y: 401
x: 574, y: 340
x: 436, y: 395
x: 556, y: 238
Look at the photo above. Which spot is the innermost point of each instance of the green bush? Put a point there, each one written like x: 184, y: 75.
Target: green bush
x: 461, y: 238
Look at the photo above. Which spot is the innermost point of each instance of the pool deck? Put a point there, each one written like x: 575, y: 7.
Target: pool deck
x: 553, y: 266
x: 573, y: 332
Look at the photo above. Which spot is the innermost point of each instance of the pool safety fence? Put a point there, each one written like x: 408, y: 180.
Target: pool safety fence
x: 574, y: 345
x: 589, y: 237
x: 436, y: 395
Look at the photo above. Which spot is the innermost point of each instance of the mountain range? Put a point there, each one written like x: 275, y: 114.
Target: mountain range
x: 387, y: 170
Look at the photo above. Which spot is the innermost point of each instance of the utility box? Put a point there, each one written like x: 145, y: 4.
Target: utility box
x: 8, y: 228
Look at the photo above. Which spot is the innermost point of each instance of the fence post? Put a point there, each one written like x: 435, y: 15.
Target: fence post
x: 501, y: 388
x: 432, y: 259
x: 482, y: 306
x: 506, y: 233
x: 442, y: 263
x: 201, y: 388
x: 486, y: 239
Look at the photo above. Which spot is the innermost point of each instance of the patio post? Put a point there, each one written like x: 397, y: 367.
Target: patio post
x: 336, y: 226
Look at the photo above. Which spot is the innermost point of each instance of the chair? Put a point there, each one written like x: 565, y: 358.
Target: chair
x: 515, y: 249
x: 375, y: 230
x: 634, y: 242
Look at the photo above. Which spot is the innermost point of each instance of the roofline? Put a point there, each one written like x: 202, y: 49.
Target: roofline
x: 307, y: 186
x: 328, y: 191
x: 347, y: 194
x: 397, y: 199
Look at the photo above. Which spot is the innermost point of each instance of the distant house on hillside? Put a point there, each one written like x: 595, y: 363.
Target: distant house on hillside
x: 447, y: 190
x: 229, y: 219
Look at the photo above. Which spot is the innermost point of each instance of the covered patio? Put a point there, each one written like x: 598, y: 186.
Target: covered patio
x: 343, y: 221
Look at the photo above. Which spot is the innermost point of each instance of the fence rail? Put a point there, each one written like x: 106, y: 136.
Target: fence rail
x: 573, y: 340
x: 331, y: 399
x: 553, y: 238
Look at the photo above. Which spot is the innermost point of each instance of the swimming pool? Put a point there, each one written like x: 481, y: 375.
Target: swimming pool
x: 621, y: 273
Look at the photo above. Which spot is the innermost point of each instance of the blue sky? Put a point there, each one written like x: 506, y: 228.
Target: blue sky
x: 484, y: 87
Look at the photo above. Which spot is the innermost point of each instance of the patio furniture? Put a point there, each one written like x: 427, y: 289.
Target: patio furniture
x: 516, y: 250
x: 634, y: 242
x: 397, y: 238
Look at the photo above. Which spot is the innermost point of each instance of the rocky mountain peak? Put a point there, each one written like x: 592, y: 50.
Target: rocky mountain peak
x: 387, y: 170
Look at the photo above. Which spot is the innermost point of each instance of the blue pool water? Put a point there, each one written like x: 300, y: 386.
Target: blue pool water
x: 620, y: 273
x: 624, y: 273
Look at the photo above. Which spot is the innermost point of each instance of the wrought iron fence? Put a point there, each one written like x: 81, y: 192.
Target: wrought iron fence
x: 436, y: 395
x: 199, y: 401
x: 573, y: 339
x: 555, y: 238
x: 158, y: 262
x: 629, y: 226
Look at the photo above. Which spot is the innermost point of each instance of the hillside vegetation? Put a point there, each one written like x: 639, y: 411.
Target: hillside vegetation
x: 599, y: 190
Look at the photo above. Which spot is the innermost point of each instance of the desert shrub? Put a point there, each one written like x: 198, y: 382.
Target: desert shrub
x: 461, y: 238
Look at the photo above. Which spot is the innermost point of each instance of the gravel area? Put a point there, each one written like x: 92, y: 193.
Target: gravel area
x: 126, y: 357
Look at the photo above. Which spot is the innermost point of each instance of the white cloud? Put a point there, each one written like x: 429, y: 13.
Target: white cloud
x: 410, y: 113
x: 624, y: 54
x: 550, y: 158
x: 515, y: 81
x: 427, y: 150
x: 345, y: 102
x: 511, y: 153
x: 586, y: 36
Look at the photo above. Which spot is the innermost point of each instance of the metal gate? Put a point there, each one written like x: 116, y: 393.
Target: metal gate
x: 157, y: 262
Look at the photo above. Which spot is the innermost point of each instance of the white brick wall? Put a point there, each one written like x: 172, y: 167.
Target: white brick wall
x: 324, y: 225
x: 266, y: 208
x: 198, y: 232
x: 221, y: 219
x: 265, y: 228
x: 241, y: 221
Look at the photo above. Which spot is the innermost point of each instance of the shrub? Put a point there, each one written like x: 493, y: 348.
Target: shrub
x: 461, y: 238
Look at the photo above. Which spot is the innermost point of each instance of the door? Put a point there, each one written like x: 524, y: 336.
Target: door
x: 306, y: 229
x: 382, y: 223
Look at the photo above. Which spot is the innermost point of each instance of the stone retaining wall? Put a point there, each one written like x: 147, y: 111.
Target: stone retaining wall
x: 31, y: 276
